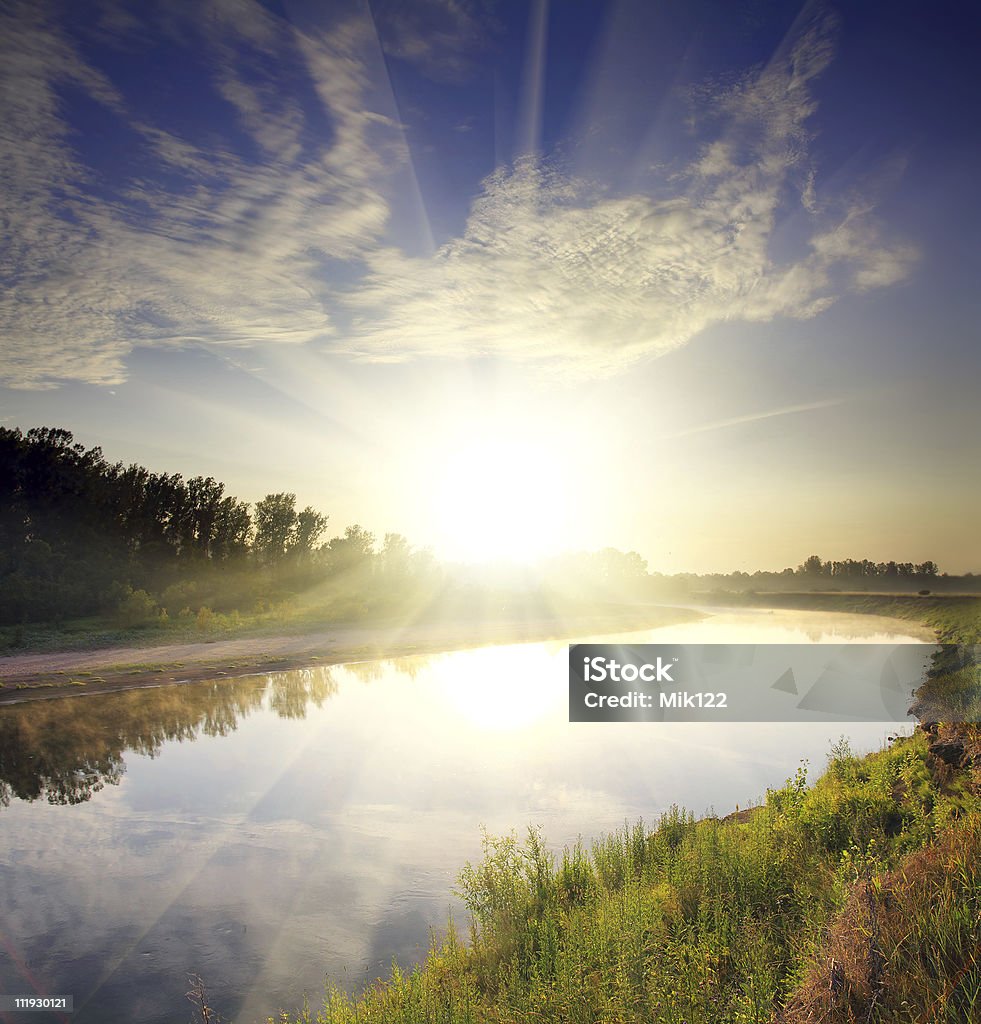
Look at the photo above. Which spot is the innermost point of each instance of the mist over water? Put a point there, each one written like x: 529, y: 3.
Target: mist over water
x: 266, y: 832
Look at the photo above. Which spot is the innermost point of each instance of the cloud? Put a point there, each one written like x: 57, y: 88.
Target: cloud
x: 754, y: 417
x: 440, y: 38
x: 552, y: 269
x: 275, y: 231
x: 211, y: 245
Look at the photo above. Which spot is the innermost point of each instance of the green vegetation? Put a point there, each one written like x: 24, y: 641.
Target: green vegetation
x: 956, y: 618
x: 96, y: 554
x: 858, y: 899
x: 817, y: 576
x: 134, y: 550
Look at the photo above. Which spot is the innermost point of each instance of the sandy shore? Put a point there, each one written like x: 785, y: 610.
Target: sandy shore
x: 40, y: 676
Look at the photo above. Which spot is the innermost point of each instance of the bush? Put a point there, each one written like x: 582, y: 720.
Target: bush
x: 137, y: 608
x: 178, y: 596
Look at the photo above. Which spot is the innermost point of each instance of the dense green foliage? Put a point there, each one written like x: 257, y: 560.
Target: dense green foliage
x: 80, y: 536
x: 705, y: 921
x: 91, y: 552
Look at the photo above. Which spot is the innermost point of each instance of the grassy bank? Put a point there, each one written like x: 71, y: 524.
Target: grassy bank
x: 953, y: 689
x: 297, y: 617
x: 44, y: 675
x: 956, y: 618
x: 855, y: 899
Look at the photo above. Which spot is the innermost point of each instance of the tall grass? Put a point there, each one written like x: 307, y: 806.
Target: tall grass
x: 853, y: 899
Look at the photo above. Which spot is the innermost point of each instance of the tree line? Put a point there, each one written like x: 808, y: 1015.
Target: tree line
x: 817, y: 574
x: 80, y: 535
x: 852, y: 568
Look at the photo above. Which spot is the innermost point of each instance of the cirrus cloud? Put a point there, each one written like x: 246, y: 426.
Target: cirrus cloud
x: 277, y: 231
x: 553, y: 269
x: 182, y: 242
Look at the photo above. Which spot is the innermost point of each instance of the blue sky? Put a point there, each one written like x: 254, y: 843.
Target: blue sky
x: 693, y: 278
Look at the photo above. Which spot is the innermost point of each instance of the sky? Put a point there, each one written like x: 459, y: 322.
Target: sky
x: 693, y: 278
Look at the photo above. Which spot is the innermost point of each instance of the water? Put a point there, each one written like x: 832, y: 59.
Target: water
x: 266, y: 832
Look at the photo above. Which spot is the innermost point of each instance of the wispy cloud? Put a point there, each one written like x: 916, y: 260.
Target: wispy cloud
x: 553, y: 269
x: 439, y: 37
x: 213, y: 246
x: 753, y: 417
x: 275, y: 232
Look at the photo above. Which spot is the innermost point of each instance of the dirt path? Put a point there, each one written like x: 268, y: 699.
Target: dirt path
x: 38, y: 676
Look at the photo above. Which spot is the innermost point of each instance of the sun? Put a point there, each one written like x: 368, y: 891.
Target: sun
x: 502, y: 499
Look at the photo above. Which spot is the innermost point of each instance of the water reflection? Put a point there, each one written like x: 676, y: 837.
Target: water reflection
x: 268, y: 831
x: 64, y: 751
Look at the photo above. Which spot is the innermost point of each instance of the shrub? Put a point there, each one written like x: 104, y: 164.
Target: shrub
x: 178, y: 596
x: 137, y: 608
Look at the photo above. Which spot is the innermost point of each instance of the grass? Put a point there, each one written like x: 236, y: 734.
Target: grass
x: 289, y: 618
x: 855, y: 899
x: 954, y: 617
x: 97, y: 632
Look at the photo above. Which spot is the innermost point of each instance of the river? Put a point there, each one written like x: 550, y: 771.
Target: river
x: 265, y: 832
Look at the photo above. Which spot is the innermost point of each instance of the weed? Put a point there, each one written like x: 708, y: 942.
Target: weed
x: 841, y: 901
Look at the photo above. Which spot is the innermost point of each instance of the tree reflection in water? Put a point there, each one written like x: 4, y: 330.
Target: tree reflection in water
x: 65, y: 750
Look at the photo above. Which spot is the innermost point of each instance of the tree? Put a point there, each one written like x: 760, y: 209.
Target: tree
x: 310, y: 524
x: 275, y: 522
x: 352, y: 553
x: 233, y: 529
x: 812, y: 566
x: 204, y: 511
x: 395, y: 559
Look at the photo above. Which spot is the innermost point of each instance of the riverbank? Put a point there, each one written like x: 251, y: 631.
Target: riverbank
x: 853, y: 899
x: 954, y: 618
x: 44, y: 675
